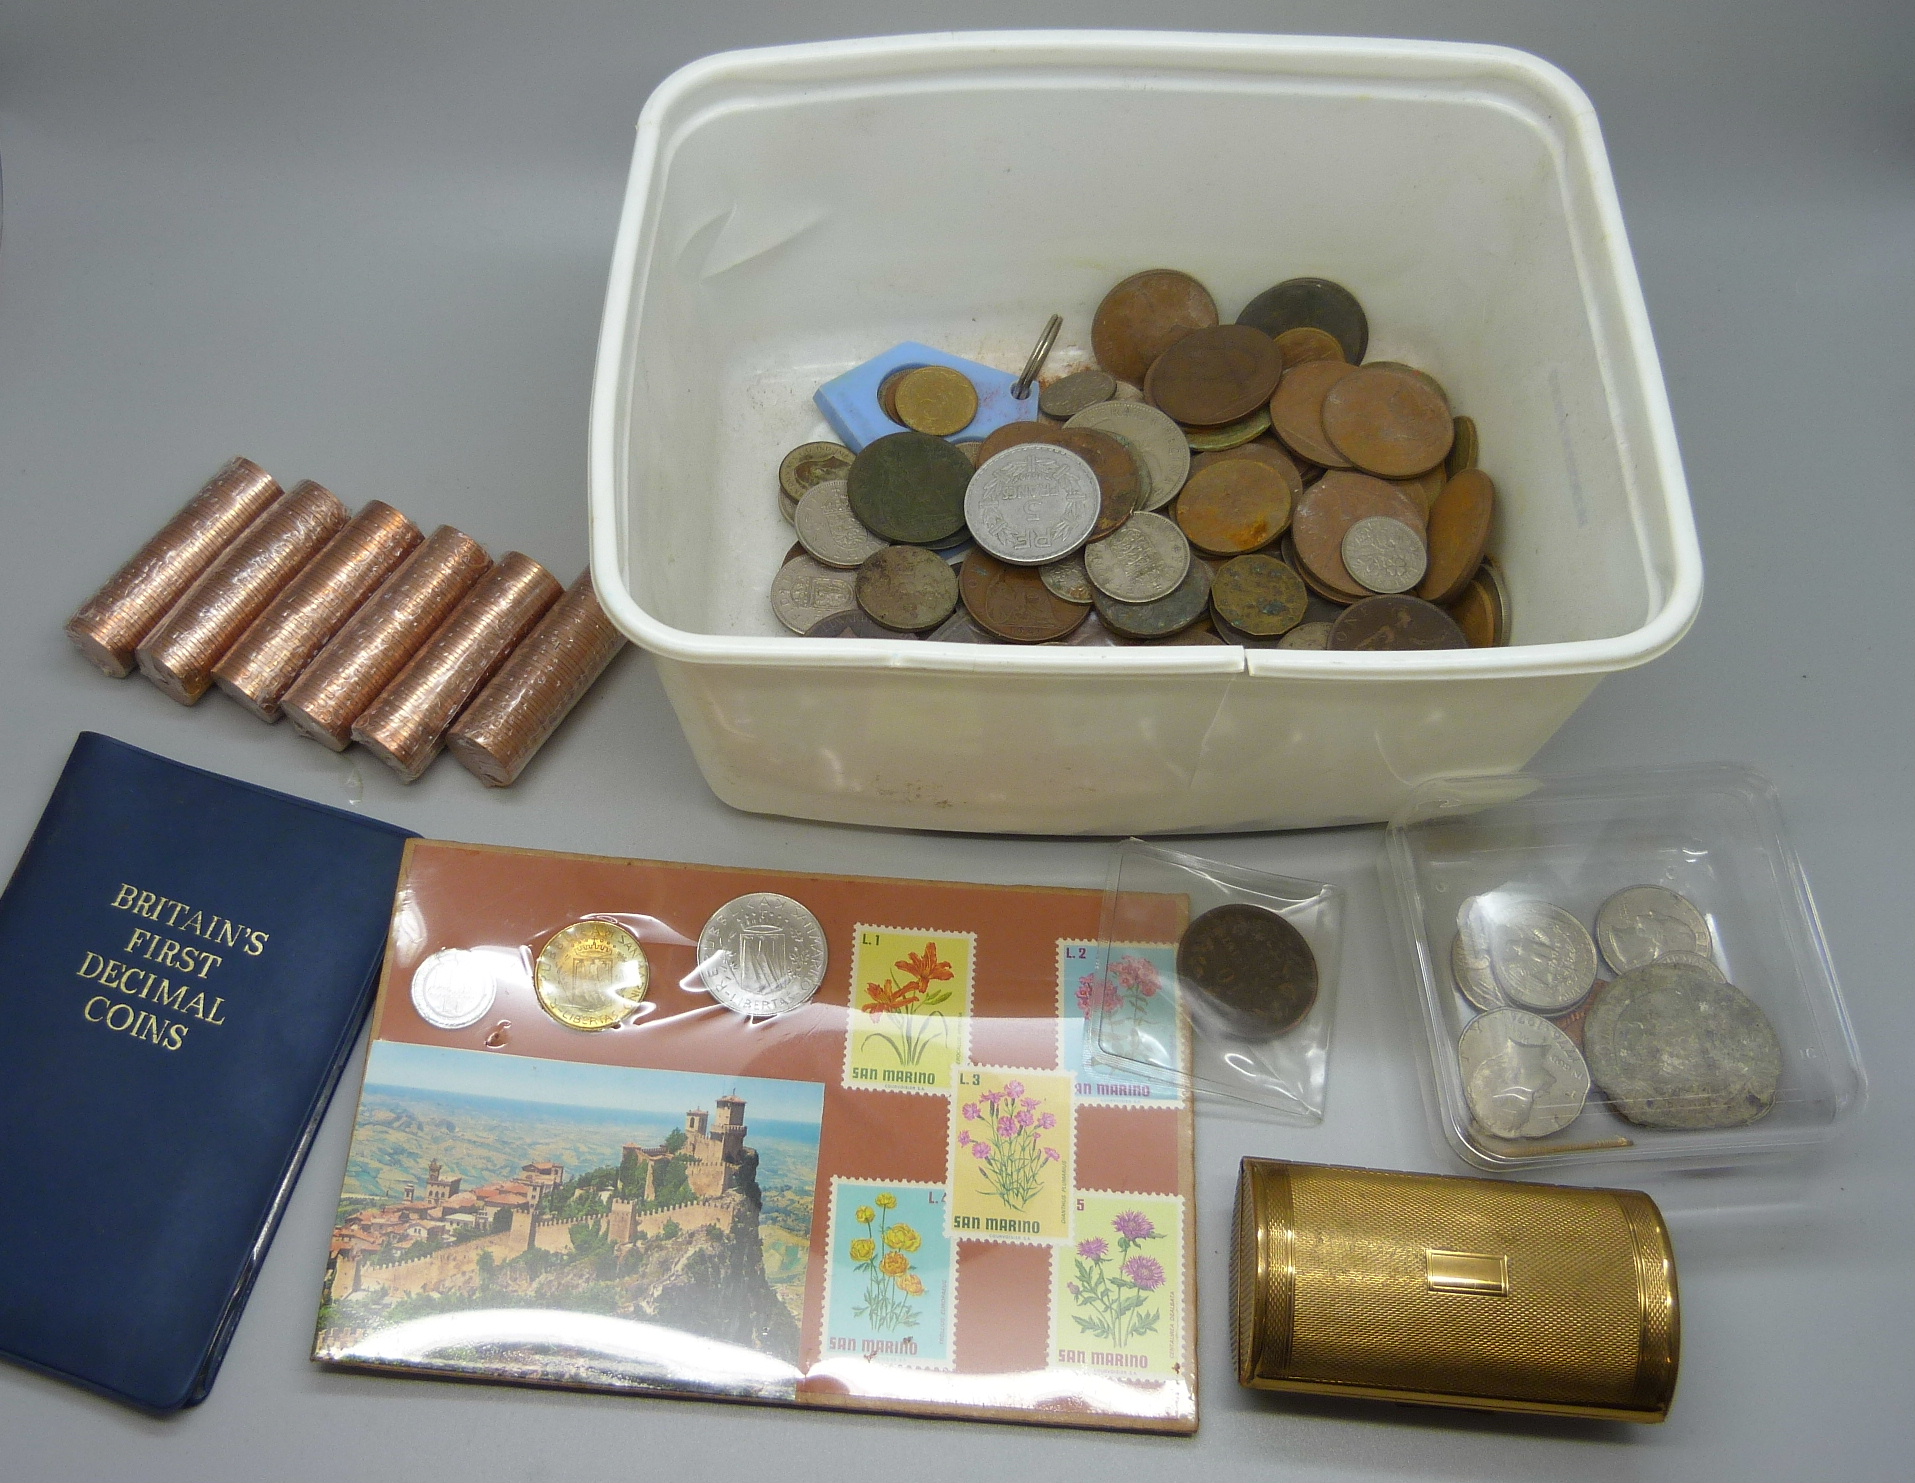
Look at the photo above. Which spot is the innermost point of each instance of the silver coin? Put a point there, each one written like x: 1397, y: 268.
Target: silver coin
x: 1639, y: 924
x: 1697, y: 962
x: 806, y: 590
x: 828, y: 529
x: 1156, y: 442
x: 1542, y: 957
x: 788, y: 507
x: 762, y: 954
x: 1032, y: 503
x: 1142, y: 560
x: 1385, y: 555
x: 1306, y: 636
x: 457, y: 986
x: 1067, y: 578
x: 1469, y: 962
x: 1672, y: 1048
x: 1522, y: 1076
x: 1069, y: 395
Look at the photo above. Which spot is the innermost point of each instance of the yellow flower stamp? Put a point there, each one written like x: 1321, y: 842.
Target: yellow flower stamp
x: 891, y: 1279
x: 1117, y: 1291
x: 910, y: 1007
x: 1012, y: 1147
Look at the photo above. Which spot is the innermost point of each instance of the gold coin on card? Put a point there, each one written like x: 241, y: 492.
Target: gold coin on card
x: 936, y: 400
x: 591, y: 975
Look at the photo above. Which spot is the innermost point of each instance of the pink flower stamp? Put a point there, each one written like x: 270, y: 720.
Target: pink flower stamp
x: 1118, y: 1291
x: 1012, y: 1138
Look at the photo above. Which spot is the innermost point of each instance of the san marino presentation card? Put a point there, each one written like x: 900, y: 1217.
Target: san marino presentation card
x: 596, y: 1148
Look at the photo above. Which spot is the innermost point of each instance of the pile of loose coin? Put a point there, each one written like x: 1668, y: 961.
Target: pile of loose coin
x: 1667, y: 1040
x: 1252, y: 483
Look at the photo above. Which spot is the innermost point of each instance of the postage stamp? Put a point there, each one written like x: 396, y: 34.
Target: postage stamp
x: 1141, y: 1058
x: 891, y: 1275
x: 1117, y: 1291
x: 1013, y: 1154
x: 910, y: 1006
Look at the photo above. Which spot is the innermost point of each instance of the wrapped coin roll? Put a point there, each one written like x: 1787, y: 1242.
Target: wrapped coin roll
x: 387, y: 631
x: 114, y: 620
x: 536, y: 688
x: 1453, y: 1292
x: 406, y: 725
x: 259, y: 669
x: 180, y: 653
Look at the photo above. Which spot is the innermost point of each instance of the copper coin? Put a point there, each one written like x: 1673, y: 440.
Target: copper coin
x: 1387, y: 422
x: 1259, y: 595
x: 1419, y: 373
x: 1013, y: 602
x: 1199, y: 633
x: 1475, y: 612
x: 1395, y: 623
x: 809, y: 464
x: 1230, y: 435
x: 1462, y: 446
x: 1459, y: 529
x: 888, y: 393
x: 1251, y: 967
x: 1120, y: 483
x: 973, y: 450
x: 1065, y: 397
x: 1329, y: 601
x: 1215, y: 376
x: 936, y: 399
x: 797, y: 549
x: 856, y: 624
x: 907, y: 587
x: 1325, y: 514
x: 1316, y: 302
x: 1143, y: 316
x: 1010, y: 435
x: 1162, y: 617
x: 1234, y: 507
x: 1424, y: 488
x: 909, y: 486
x: 1571, y: 1022
x: 1296, y: 411
x: 1307, y: 342
x: 1307, y: 636
x: 1262, y: 451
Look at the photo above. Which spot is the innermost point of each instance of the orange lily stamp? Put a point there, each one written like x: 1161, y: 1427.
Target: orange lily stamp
x: 910, y: 1008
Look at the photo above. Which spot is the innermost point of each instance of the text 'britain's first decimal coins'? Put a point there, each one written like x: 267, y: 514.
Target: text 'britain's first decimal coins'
x: 762, y: 954
x: 592, y: 975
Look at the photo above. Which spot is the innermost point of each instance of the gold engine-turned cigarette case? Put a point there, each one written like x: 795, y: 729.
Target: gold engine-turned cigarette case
x: 1453, y: 1292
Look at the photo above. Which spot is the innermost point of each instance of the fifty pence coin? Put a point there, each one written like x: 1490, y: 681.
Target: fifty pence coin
x: 591, y: 975
x: 1522, y: 1076
x: 1639, y: 924
x: 1032, y: 504
x: 1252, y: 967
x: 1153, y: 439
x: 762, y: 954
x: 1542, y: 957
x: 1383, y: 554
x: 1673, y: 1048
x: 828, y: 529
x: 457, y: 986
x: 1144, y: 559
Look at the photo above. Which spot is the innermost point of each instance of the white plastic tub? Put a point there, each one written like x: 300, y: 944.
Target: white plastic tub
x: 794, y: 211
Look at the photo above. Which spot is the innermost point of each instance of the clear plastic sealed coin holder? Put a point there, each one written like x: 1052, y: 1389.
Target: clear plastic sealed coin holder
x: 1239, y: 1005
x: 1711, y: 1031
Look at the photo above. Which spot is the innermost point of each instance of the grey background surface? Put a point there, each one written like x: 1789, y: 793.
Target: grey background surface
x: 367, y: 243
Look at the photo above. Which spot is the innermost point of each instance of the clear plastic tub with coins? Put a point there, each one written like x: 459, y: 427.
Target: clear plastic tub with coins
x: 1239, y: 1005
x: 1620, y: 967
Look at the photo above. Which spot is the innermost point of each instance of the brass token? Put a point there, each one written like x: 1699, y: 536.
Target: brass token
x: 1259, y: 595
x: 1459, y: 529
x: 1264, y: 451
x: 1065, y: 397
x: 1307, y: 342
x: 591, y: 975
x: 1250, y: 967
x: 1231, y: 434
x: 1396, y: 623
x: 1387, y: 422
x: 1475, y: 612
x: 1143, y: 316
x: 1325, y: 514
x: 1296, y: 411
x: 1215, y: 376
x: 809, y: 464
x: 1462, y: 446
x: 910, y: 486
x: 1162, y: 617
x: 1234, y: 507
x: 1013, y: 602
x: 936, y: 399
x: 907, y: 587
x: 1315, y: 302
x: 1307, y: 636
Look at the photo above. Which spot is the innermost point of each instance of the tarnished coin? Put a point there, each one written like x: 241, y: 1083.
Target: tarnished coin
x: 1314, y: 635
x: 1419, y: 374
x: 1014, y: 603
x: 1263, y: 451
x: 1154, y: 440
x: 1296, y: 410
x: 1673, y: 1048
x: 1570, y: 1022
x: 806, y: 590
x: 1167, y: 615
x: 1640, y: 924
x: 1475, y: 612
x: 1458, y: 532
x: 762, y: 954
x: 1314, y: 302
x: 1333, y: 600
x: 1259, y: 595
x: 1033, y: 503
x: 1504, y: 615
x: 1306, y: 342
x: 1143, y: 316
x: 973, y: 450
x: 888, y: 393
x: 1384, y: 554
x: 1121, y: 481
x: 1067, y: 578
x: 1253, y: 968
x: 1469, y: 969
x: 1522, y: 1076
x: 591, y: 975
x: 787, y: 507
x: 961, y: 627
x: 1144, y: 560
x: 939, y: 400
x: 1198, y: 634
x: 1234, y: 507
x: 1697, y: 961
x: 457, y: 986
x: 856, y: 624
x: 1462, y: 446
x: 1542, y: 956
x: 1065, y: 397
x: 1424, y: 488
x: 1230, y: 435
x: 829, y: 531
x: 1387, y: 422
x: 909, y: 486
x: 907, y: 587
x: 1325, y: 514
x: 1215, y: 375
x: 1396, y: 623
x: 809, y: 464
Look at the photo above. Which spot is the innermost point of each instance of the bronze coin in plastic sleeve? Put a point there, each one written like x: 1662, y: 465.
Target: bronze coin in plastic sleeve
x: 111, y: 623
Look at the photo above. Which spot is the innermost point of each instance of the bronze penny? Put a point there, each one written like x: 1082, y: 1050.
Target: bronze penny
x: 1462, y: 446
x: 1162, y: 617
x: 909, y: 486
x: 1013, y: 602
x: 1459, y: 529
x: 1234, y: 507
x: 1314, y: 635
x: 907, y: 587
x: 856, y: 624
x: 1325, y: 514
x: 1143, y: 316
x: 1327, y: 602
x: 888, y: 393
x: 1424, y: 488
x: 1262, y: 451
x: 1316, y: 302
x: 1259, y: 595
x: 1475, y: 613
x: 1418, y: 372
x: 1250, y: 967
x: 1120, y: 487
x: 1395, y: 623
x: 1230, y: 435
x: 1307, y: 342
x: 1571, y: 1022
x: 1296, y: 411
x: 1387, y: 422
x: 797, y: 549
x: 1215, y: 376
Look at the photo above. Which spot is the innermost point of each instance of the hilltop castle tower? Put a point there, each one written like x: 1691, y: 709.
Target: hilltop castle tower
x: 715, y: 1149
